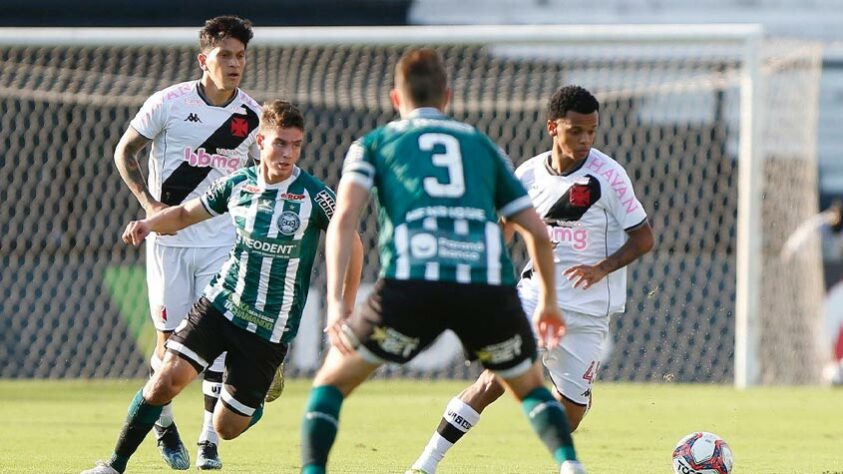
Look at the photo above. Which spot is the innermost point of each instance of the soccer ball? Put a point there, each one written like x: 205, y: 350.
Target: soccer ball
x: 702, y: 453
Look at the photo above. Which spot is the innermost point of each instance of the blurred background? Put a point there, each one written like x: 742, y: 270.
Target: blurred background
x: 73, y: 298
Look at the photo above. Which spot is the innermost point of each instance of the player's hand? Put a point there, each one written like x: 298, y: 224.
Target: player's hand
x: 135, y: 232
x: 337, y: 315
x: 549, y: 325
x: 584, y: 276
x: 155, y: 207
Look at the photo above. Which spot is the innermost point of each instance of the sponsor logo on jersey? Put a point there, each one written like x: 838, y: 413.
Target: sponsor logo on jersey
x: 239, y: 127
x: 270, y: 248
x: 201, y: 159
x: 291, y: 197
x: 577, y: 237
x: 288, y: 223
x: 326, y: 202
x: 250, y: 188
x: 501, y: 352
x: 193, y: 118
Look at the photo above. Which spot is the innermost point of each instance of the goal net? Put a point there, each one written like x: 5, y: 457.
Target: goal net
x: 705, y: 120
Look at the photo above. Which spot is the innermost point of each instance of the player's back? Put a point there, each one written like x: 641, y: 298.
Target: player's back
x: 440, y: 185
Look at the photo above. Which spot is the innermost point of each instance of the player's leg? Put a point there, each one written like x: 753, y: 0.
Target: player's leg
x: 173, y: 375
x: 169, y: 284
x: 249, y: 366
x: 206, y: 263
x: 499, y: 334
x: 145, y: 409
x: 395, y: 323
x: 574, y: 364
x: 461, y: 414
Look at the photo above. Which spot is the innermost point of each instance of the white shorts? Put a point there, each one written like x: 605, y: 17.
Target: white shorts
x: 572, y: 365
x: 175, y: 279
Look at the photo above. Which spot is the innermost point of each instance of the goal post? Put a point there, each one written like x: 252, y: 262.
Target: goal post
x: 695, y: 113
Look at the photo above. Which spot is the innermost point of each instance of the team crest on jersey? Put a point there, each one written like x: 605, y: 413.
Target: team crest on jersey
x: 288, y: 223
x: 239, y: 127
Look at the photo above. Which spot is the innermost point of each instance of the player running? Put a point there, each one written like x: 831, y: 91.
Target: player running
x: 200, y: 131
x: 441, y: 187
x: 253, y: 306
x: 597, y: 227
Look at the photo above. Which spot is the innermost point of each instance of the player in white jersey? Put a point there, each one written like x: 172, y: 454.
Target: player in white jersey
x: 597, y: 227
x: 200, y: 131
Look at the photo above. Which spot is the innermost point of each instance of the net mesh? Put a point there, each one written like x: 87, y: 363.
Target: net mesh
x: 73, y: 296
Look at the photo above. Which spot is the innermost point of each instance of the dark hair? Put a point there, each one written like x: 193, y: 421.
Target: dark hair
x: 571, y: 98
x: 420, y: 73
x: 281, y: 114
x: 222, y: 27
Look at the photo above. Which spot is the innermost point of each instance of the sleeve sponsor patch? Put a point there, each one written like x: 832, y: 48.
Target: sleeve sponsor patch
x: 326, y: 202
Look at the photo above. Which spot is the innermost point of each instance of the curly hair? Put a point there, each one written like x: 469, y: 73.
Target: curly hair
x: 571, y: 98
x: 228, y: 26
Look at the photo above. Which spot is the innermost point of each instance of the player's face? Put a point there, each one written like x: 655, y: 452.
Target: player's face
x: 574, y: 134
x: 225, y: 63
x: 280, y: 151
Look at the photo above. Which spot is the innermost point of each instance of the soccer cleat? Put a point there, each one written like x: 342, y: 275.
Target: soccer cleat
x: 277, y: 385
x: 171, y: 447
x: 208, y: 457
x: 101, y: 468
x: 572, y: 467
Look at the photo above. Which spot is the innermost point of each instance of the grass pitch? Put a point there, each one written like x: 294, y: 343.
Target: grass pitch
x: 64, y: 426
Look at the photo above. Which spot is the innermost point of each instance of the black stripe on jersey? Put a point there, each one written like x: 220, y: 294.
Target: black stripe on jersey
x: 229, y: 136
x: 575, y: 202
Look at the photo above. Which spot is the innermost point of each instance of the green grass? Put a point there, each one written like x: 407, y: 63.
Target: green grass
x: 64, y: 426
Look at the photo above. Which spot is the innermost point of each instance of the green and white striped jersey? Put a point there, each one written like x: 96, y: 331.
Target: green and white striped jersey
x: 263, y: 286
x: 440, y: 186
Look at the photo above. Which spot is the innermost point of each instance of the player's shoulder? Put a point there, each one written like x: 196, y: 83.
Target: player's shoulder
x: 310, y: 182
x: 529, y: 167
x: 602, y: 165
x: 248, y: 174
x: 248, y: 101
x: 176, y: 91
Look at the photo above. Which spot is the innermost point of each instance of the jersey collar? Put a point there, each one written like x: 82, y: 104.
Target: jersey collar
x: 426, y: 112
x: 201, y: 92
x: 293, y: 176
x: 553, y: 172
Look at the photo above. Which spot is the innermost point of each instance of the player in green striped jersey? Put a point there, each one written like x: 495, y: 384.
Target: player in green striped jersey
x: 253, y: 306
x: 441, y: 187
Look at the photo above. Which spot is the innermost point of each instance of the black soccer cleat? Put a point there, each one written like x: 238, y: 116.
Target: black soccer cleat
x: 171, y: 447
x: 208, y: 457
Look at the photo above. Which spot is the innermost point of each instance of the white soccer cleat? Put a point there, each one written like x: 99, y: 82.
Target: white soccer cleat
x: 572, y: 467
x: 277, y: 385
x: 101, y: 468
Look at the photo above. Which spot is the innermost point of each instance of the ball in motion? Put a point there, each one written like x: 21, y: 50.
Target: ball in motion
x: 702, y: 453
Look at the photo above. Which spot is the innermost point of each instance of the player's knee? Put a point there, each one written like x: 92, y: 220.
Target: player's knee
x: 229, y: 431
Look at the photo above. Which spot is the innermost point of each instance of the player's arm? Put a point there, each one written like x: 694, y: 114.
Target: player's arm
x: 547, y: 320
x: 343, y: 258
x: 167, y: 221
x: 640, y: 242
x: 126, y: 159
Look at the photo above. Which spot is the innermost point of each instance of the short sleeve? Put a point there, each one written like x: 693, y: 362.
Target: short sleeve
x: 326, y: 202
x: 510, y: 195
x: 215, y: 199
x: 623, y: 205
x: 151, y: 118
x: 359, y: 166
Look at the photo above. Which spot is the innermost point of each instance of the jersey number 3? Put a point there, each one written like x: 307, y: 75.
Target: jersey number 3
x: 451, y: 159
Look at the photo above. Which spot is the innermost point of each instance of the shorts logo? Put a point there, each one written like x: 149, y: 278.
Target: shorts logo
x: 289, y: 223
x: 162, y: 313
x: 393, y: 342
x: 501, y: 352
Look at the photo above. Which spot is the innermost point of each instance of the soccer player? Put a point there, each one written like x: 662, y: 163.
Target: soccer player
x: 441, y: 187
x: 253, y: 306
x: 597, y: 227
x: 200, y: 131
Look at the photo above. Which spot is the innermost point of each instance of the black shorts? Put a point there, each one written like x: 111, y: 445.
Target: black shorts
x: 249, y: 365
x: 402, y: 317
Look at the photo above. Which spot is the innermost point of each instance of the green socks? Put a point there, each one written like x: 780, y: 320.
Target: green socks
x: 139, y: 422
x: 547, y: 416
x: 319, y: 428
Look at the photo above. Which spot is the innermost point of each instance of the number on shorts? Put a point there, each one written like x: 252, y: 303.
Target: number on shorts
x: 591, y: 373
